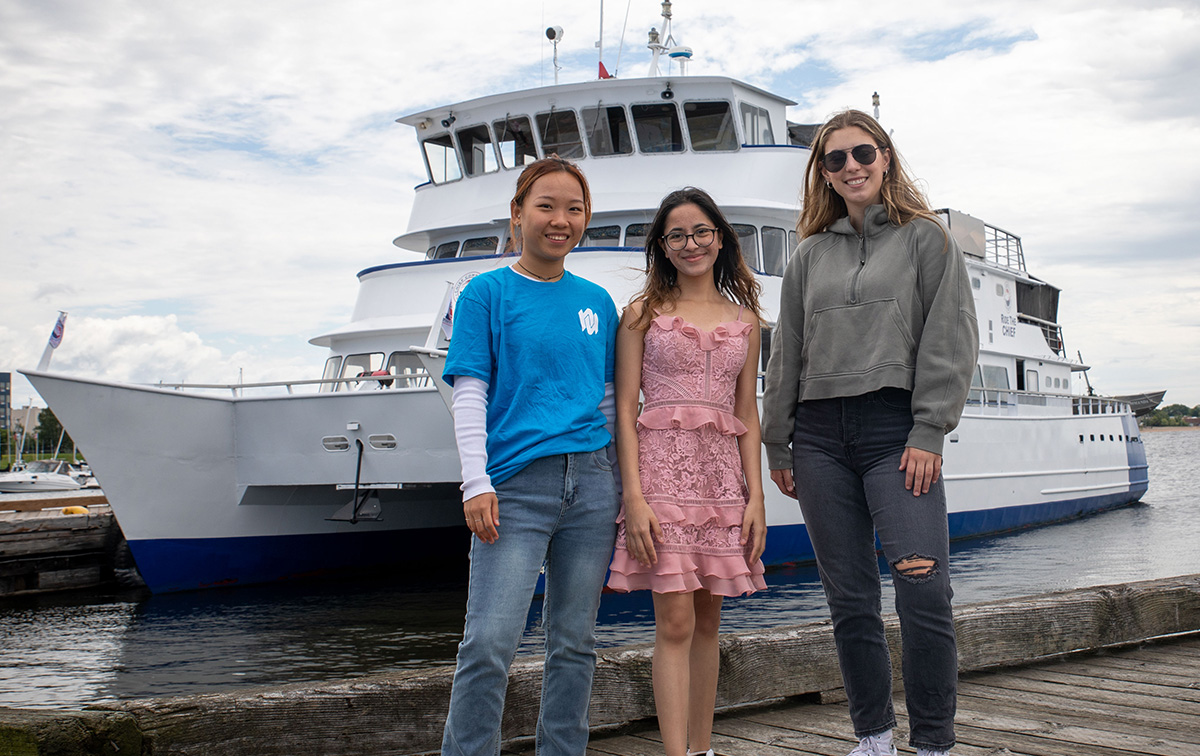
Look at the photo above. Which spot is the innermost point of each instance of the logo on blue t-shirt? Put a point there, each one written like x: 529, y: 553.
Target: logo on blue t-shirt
x: 589, y: 321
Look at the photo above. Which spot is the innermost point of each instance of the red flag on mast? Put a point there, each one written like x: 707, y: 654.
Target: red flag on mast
x: 604, y: 74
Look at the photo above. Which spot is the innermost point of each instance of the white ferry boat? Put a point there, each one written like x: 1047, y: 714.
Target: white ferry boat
x: 357, y: 470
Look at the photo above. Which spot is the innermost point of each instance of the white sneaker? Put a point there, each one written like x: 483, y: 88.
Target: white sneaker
x: 875, y: 745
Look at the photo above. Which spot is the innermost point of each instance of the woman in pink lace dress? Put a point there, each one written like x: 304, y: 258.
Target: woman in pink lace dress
x: 692, y: 524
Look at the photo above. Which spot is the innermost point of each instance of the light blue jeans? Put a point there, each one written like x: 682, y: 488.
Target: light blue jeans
x: 561, y: 512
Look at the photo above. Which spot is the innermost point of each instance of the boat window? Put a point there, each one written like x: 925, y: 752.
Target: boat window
x: 514, y: 140
x: 486, y: 245
x: 560, y: 133
x: 995, y: 381
x: 756, y: 124
x: 449, y: 249
x: 331, y: 371
x: 975, y: 396
x: 657, y: 127
x: 710, y: 125
x: 478, y: 157
x: 441, y: 159
x: 995, y: 376
x: 357, y: 365
x: 975, y: 283
x: 774, y: 242
x: 601, y: 236
x: 407, y: 368
x: 635, y: 234
x: 607, y: 130
x: 748, y: 238
x: 793, y: 242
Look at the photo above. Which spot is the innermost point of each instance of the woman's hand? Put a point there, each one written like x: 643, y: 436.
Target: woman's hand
x: 783, y: 479
x: 483, y: 516
x: 641, y: 530
x: 754, y: 529
x: 921, y: 469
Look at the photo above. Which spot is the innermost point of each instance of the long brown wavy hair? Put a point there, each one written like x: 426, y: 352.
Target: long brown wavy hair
x: 730, y: 273
x: 822, y: 205
x: 550, y: 164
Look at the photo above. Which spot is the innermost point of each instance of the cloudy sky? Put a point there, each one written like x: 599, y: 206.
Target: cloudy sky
x: 198, y: 183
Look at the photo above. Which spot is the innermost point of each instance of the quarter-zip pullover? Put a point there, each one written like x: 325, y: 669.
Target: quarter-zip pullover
x: 890, y: 307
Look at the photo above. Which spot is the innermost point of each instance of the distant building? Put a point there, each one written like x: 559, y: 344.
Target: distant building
x: 6, y: 400
x: 25, y: 419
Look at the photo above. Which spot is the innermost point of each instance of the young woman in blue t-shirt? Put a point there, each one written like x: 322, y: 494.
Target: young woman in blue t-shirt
x: 531, y: 363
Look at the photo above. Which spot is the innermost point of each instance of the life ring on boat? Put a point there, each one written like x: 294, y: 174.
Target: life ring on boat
x: 75, y: 509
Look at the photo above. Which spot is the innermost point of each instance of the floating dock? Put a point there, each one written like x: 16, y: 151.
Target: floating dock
x: 1104, y: 671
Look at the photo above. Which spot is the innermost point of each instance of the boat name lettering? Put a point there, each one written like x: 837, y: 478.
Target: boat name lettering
x: 1009, y: 325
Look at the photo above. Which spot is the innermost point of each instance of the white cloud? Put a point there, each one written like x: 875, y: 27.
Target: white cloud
x: 198, y: 183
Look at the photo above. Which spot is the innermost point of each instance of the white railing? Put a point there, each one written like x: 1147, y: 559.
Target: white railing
x: 416, y: 379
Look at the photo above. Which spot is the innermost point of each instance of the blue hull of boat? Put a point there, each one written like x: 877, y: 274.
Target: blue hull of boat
x: 170, y: 565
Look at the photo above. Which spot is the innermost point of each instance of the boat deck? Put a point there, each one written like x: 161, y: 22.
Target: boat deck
x: 1142, y: 700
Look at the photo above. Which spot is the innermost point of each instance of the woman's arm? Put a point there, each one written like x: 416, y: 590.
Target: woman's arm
x: 745, y: 407
x: 480, y: 505
x: 641, y: 526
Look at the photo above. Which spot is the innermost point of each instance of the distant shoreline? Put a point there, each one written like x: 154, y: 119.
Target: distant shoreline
x: 1157, y: 428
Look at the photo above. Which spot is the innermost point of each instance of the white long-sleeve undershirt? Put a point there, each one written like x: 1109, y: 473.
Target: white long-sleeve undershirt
x: 470, y: 403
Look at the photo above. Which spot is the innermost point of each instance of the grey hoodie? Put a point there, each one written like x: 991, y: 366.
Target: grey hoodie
x: 892, y: 307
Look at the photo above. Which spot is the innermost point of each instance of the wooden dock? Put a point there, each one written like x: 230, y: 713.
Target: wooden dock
x: 44, y: 546
x: 1142, y: 700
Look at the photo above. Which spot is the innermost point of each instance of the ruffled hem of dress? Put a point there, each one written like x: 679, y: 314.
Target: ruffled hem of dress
x: 686, y: 572
x: 691, y: 417
x: 708, y: 339
x: 721, y: 513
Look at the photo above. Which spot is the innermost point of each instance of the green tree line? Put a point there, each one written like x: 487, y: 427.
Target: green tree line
x: 1171, y: 415
x: 39, y: 441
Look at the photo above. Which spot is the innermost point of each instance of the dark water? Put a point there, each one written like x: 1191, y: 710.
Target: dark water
x: 68, y: 651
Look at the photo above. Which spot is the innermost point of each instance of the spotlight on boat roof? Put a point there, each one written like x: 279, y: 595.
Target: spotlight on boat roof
x: 667, y: 94
x: 449, y: 119
x: 554, y: 33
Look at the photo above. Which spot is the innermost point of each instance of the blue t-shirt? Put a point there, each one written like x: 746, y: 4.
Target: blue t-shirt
x: 546, y: 351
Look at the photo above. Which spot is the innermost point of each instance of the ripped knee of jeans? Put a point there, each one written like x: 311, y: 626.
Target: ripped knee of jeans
x: 916, y: 568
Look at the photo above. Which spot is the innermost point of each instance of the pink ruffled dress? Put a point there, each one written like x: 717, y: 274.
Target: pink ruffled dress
x: 691, y: 471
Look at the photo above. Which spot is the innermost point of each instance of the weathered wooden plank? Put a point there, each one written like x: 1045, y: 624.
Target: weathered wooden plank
x: 1091, y: 683
x: 779, y: 740
x: 1104, y: 717
x: 1161, y: 672
x: 9, y: 504
x: 1153, y: 700
x: 1068, y: 735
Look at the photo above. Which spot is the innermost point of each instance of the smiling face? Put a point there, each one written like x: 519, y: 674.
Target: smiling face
x: 859, y: 185
x: 693, y: 259
x: 551, y: 218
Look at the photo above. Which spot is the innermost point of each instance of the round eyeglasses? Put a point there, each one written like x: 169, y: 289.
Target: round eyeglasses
x: 677, y: 240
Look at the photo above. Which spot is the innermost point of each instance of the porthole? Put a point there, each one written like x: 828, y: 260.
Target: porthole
x: 336, y: 443
x: 383, y: 441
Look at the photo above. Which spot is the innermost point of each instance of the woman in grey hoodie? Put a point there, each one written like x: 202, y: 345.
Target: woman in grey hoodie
x: 871, y: 362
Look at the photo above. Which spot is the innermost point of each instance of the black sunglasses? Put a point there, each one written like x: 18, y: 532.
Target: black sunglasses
x: 863, y: 154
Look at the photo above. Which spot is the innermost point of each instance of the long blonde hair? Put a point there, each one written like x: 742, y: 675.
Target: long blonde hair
x: 822, y: 205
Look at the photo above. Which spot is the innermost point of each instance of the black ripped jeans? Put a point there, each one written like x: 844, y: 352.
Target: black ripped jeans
x: 846, y: 469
